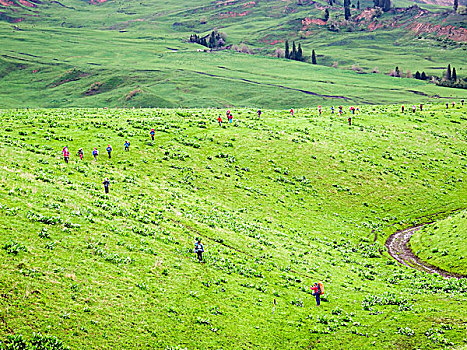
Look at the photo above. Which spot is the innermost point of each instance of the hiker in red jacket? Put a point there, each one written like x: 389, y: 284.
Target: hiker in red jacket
x: 219, y: 120
x: 402, y: 109
x: 66, y: 154
x: 317, y: 293
x: 152, y: 134
x: 291, y: 112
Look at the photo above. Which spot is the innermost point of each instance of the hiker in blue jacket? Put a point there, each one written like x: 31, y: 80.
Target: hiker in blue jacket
x: 199, y: 249
x: 127, y: 146
x: 109, y: 150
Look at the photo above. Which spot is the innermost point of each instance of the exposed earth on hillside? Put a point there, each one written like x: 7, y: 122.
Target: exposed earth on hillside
x: 398, y: 248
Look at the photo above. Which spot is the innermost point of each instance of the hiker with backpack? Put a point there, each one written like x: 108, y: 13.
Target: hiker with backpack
x: 80, y: 153
x: 127, y: 146
x: 350, y: 120
x: 219, y: 120
x: 291, y: 112
x: 319, y: 110
x: 106, y: 184
x: 152, y: 133
x: 95, y: 153
x: 259, y: 113
x: 318, y: 290
x: 109, y: 150
x: 199, y: 249
x: 66, y: 154
x: 402, y: 109
x: 229, y: 117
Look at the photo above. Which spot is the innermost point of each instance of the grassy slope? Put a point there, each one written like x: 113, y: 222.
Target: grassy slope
x: 281, y: 202
x: 135, y: 42
x: 439, y: 243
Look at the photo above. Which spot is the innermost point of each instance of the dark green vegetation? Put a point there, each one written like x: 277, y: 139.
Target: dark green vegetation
x: 130, y: 53
x: 441, y: 243
x: 279, y: 202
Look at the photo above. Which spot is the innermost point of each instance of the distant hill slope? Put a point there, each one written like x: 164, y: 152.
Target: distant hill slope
x: 114, y: 48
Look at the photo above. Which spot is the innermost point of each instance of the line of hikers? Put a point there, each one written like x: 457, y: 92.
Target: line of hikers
x: 95, y: 152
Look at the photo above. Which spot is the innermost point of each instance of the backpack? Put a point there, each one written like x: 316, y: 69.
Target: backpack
x: 320, y: 288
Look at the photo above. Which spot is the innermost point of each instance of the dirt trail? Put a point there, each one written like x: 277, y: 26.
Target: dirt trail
x: 398, y: 248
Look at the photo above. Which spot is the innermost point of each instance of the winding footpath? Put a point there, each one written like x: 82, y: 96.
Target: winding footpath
x: 398, y: 248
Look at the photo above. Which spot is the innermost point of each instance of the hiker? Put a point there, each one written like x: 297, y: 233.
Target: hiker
x: 66, y: 154
x: 106, y: 184
x: 230, y: 117
x: 199, y: 249
x: 291, y: 112
x: 350, y: 121
x: 447, y: 105
x: 462, y: 101
x: 152, y: 134
x: 352, y: 110
x: 95, y: 153
x: 414, y: 109
x: 219, y: 120
x: 453, y: 104
x: 317, y: 293
x: 319, y: 110
x: 259, y: 113
x: 421, y: 106
x: 332, y: 110
x: 402, y: 109
x: 109, y: 150
x: 358, y: 110
x: 340, y: 110
x: 127, y: 146
x: 80, y: 153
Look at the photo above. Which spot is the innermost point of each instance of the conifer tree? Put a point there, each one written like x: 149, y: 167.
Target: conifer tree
x: 423, y: 76
x: 286, y: 53
x: 448, y: 73
x: 456, y: 4
x: 293, y: 55
x: 299, y: 55
x: 417, y: 75
x: 358, y: 4
x: 313, y: 57
x: 326, y: 15
x: 454, y: 74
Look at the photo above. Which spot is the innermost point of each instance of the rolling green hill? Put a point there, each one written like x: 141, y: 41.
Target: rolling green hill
x: 74, y: 53
x: 439, y: 243
x: 279, y: 202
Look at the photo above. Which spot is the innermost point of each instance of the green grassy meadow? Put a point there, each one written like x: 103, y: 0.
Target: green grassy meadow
x: 280, y: 203
x: 439, y: 243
